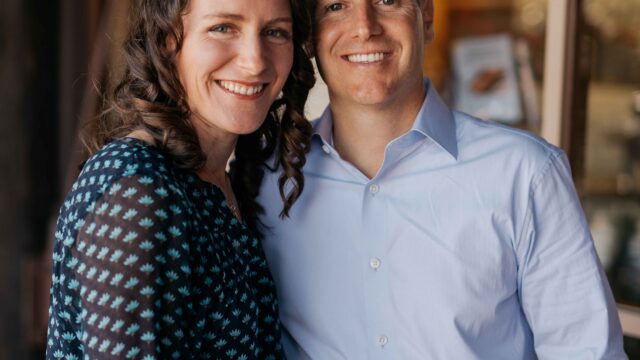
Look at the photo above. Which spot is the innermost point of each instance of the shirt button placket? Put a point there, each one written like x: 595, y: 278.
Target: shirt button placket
x: 374, y: 229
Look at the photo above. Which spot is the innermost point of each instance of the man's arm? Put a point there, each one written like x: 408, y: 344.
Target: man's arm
x: 564, y: 292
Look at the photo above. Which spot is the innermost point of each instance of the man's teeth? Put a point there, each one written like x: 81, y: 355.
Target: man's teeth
x: 241, y: 89
x: 366, y: 58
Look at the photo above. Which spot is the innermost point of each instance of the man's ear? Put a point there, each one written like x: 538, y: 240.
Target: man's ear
x: 426, y: 7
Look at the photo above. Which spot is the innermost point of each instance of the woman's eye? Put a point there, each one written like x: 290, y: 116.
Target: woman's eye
x: 278, y: 35
x: 335, y: 7
x: 220, y: 29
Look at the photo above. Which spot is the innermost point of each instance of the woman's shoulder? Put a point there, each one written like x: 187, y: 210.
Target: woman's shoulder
x: 126, y: 167
x: 125, y: 157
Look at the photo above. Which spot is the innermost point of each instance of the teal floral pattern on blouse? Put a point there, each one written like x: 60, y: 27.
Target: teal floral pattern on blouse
x: 149, y: 263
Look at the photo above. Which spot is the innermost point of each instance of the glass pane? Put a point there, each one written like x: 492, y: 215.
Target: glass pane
x: 611, y: 180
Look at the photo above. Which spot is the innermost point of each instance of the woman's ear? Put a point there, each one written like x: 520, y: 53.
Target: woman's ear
x: 170, y: 45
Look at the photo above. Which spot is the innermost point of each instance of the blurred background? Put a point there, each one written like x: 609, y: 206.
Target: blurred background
x: 568, y: 70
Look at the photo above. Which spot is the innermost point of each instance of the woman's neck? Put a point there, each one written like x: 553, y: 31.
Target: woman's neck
x: 217, y: 151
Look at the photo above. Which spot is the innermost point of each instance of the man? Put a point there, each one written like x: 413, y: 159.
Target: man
x: 423, y: 233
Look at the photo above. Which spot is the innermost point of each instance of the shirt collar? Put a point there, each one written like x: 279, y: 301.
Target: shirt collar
x: 434, y: 120
x: 323, y: 127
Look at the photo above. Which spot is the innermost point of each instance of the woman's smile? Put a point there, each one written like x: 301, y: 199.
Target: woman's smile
x: 242, y: 89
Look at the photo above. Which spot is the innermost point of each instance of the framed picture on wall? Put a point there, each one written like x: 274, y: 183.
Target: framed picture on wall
x: 485, y: 78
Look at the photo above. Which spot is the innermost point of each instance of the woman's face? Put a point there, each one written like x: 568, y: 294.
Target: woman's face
x: 235, y: 58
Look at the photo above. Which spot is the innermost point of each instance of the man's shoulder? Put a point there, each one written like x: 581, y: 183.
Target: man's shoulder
x: 482, y: 136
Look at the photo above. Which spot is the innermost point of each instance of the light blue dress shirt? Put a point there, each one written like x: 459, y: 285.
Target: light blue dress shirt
x: 469, y: 243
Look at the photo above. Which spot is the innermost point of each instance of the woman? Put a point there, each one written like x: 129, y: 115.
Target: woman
x: 153, y: 256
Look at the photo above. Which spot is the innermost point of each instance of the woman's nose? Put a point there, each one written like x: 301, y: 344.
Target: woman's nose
x: 252, y: 55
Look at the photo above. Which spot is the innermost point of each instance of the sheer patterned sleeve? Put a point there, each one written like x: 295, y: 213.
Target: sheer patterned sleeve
x: 264, y: 285
x: 131, y: 268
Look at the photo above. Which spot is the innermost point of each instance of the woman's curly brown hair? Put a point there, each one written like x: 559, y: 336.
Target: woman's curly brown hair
x: 150, y: 97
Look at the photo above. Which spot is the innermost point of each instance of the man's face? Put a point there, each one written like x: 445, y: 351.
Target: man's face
x: 370, y: 52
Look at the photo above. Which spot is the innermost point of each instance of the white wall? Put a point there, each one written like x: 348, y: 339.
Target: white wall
x: 318, y: 97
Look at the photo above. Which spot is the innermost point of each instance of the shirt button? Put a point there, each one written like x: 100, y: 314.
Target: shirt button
x: 383, y: 340
x: 374, y: 188
x: 326, y: 149
x: 374, y: 263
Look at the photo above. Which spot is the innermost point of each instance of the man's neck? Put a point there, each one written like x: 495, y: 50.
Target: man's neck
x: 362, y: 132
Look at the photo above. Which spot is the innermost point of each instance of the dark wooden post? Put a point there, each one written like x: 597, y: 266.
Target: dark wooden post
x: 577, y: 76
x: 13, y: 161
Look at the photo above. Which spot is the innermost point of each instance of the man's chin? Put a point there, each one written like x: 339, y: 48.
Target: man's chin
x: 366, y: 94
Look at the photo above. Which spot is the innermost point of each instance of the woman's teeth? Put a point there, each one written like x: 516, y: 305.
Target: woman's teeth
x: 241, y: 89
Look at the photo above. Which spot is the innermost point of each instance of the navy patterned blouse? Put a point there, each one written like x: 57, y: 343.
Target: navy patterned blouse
x: 150, y: 263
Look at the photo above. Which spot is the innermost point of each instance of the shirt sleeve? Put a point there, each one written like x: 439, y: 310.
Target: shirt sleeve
x: 132, y: 271
x: 563, y: 289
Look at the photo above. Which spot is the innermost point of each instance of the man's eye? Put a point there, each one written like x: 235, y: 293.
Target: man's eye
x: 388, y: 2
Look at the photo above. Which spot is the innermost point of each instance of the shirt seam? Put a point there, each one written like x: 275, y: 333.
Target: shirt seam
x: 528, y: 218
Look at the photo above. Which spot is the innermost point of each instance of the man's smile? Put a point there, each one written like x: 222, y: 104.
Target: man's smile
x: 367, y: 58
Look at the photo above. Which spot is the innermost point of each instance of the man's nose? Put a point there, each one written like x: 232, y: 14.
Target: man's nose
x: 366, y: 22
x: 251, y: 57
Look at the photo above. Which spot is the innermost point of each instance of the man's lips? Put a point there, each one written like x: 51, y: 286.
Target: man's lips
x: 366, y: 58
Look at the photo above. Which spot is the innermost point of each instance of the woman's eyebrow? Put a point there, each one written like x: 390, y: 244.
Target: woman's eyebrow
x: 280, y: 19
x: 239, y: 17
x: 223, y: 15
